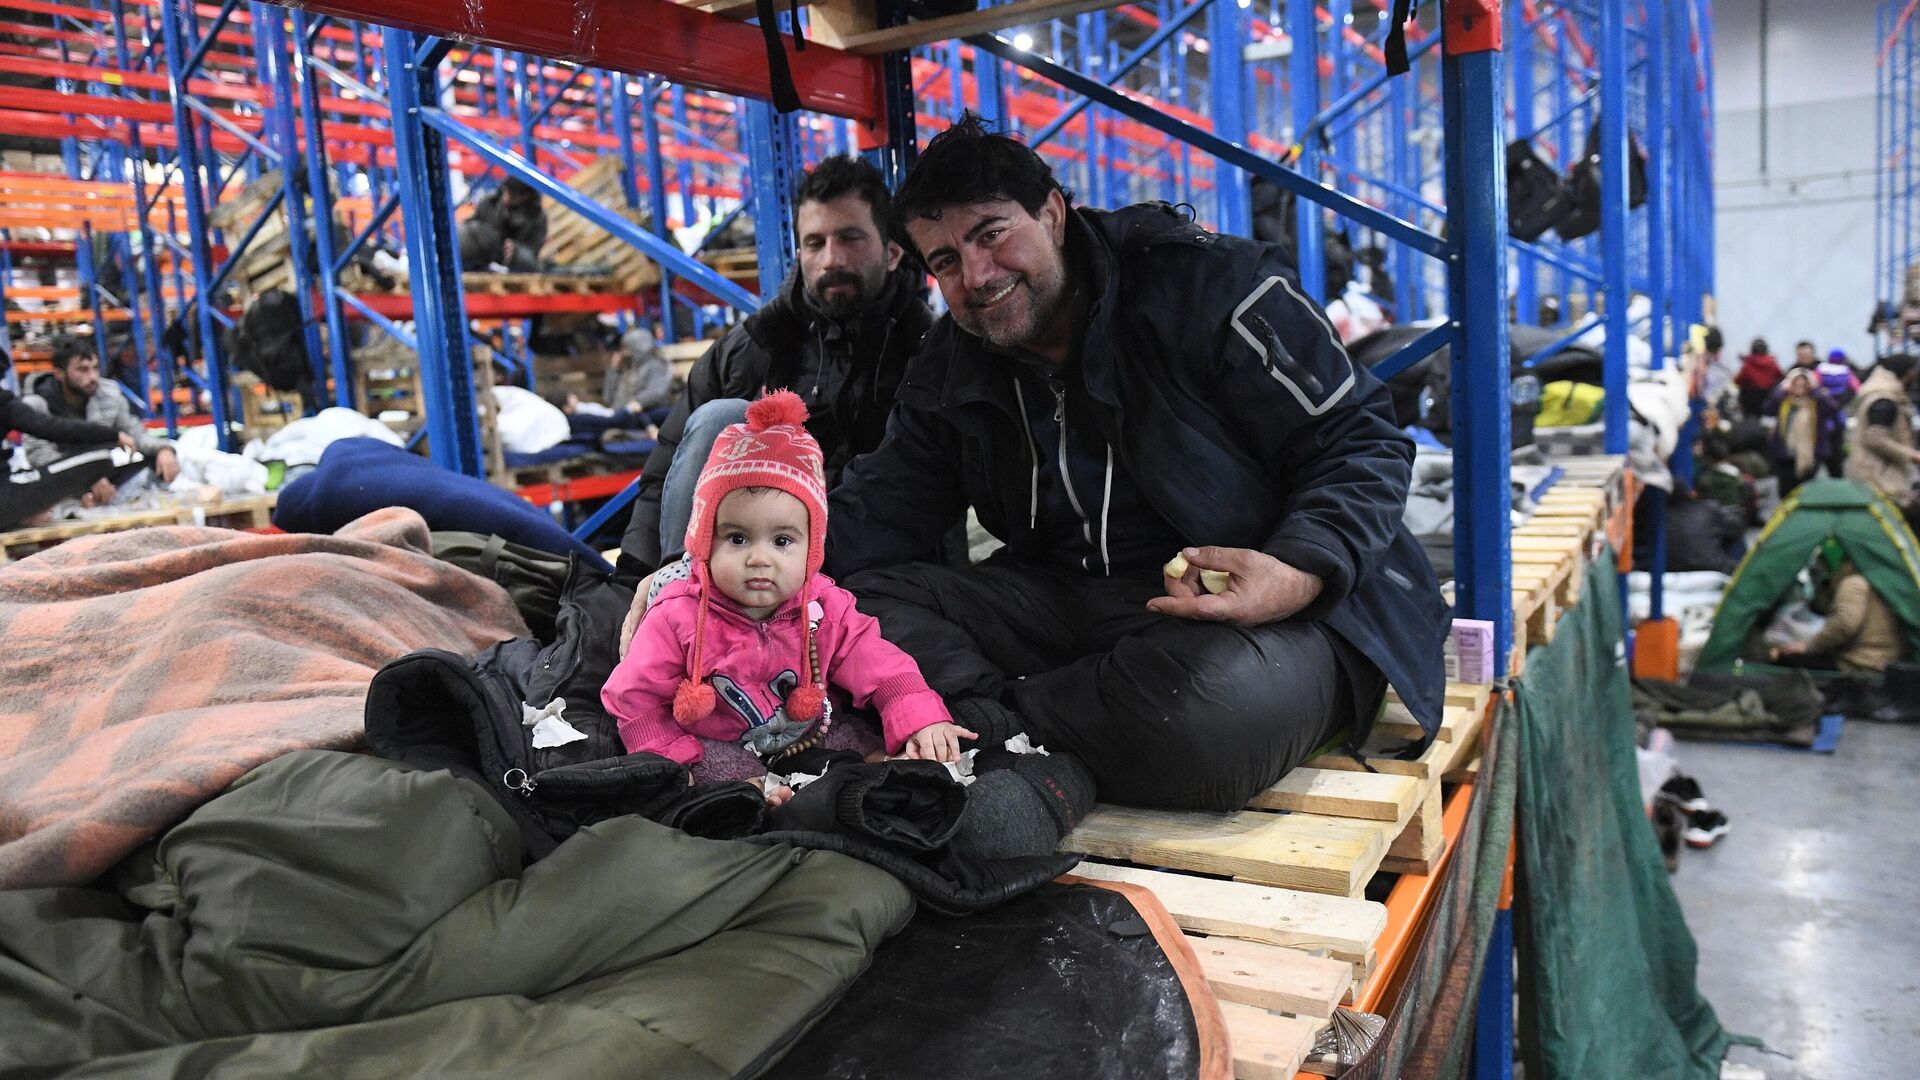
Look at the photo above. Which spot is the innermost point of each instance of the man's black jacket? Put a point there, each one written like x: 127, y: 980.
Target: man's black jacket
x: 1227, y: 399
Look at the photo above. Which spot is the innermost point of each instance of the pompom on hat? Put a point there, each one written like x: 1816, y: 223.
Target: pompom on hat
x: 771, y: 450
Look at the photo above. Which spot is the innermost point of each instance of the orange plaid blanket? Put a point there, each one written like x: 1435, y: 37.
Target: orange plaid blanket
x: 147, y: 670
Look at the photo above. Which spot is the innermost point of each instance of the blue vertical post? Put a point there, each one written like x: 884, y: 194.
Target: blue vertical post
x: 1303, y: 77
x: 1520, y: 58
x: 1408, y: 265
x: 657, y: 198
x: 1493, y: 1034
x: 990, y: 89
x: 1613, y: 215
x: 1227, y: 72
x: 319, y: 189
x: 1473, y: 102
x: 176, y: 21
x: 688, y: 212
x: 771, y: 158
x: 271, y: 60
x: 439, y: 307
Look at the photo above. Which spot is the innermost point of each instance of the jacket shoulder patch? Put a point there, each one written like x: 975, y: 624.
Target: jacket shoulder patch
x: 1306, y: 388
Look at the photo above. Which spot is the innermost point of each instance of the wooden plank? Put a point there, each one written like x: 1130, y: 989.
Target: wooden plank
x: 1267, y: 1046
x: 1379, y: 752
x: 1375, y: 797
x: 966, y: 23
x: 1418, y: 847
x: 1270, y: 977
x: 1397, y: 722
x: 1345, y: 928
x: 1298, y: 851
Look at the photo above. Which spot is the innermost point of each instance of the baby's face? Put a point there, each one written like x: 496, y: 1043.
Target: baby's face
x: 759, y: 549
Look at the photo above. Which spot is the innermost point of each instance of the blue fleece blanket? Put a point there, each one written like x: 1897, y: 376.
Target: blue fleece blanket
x: 358, y: 476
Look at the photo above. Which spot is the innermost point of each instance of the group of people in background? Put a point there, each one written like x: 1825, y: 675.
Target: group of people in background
x: 1819, y: 413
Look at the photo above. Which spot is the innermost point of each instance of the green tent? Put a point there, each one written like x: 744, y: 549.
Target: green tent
x: 1868, y: 528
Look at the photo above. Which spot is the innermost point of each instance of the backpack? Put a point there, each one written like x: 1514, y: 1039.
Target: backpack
x: 1537, y: 198
x: 270, y: 341
x: 1584, y: 182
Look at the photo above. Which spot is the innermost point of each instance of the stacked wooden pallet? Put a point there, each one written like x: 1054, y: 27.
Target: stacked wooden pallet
x: 1589, y: 507
x: 388, y: 388
x: 268, y: 261
x: 1274, y: 895
x: 573, y: 241
x: 1289, y: 874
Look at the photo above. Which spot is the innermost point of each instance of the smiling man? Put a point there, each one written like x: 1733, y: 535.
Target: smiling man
x: 839, y: 334
x: 1108, y: 390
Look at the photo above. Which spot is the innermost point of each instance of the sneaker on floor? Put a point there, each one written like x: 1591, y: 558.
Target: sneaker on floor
x: 1684, y: 791
x: 1706, y: 827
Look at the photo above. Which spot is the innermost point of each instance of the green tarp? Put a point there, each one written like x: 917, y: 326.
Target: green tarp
x: 1868, y: 528
x: 1607, y: 962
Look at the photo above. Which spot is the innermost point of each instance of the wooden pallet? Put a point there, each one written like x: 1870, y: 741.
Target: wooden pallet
x: 268, y: 261
x: 1257, y: 887
x: 238, y: 512
x: 19, y: 543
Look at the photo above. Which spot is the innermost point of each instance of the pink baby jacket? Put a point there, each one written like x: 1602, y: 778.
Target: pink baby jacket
x: 753, y: 667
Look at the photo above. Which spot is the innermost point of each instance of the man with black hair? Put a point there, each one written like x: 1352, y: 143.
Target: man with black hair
x: 508, y: 227
x: 839, y: 333
x: 27, y: 492
x: 74, y: 390
x: 1107, y: 391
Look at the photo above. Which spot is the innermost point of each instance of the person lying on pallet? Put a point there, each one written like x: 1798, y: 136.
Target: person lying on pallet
x: 839, y: 334
x: 74, y: 390
x: 730, y: 673
x: 1108, y: 390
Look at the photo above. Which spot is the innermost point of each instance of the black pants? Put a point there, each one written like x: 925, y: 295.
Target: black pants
x: 1165, y: 712
x: 29, y: 491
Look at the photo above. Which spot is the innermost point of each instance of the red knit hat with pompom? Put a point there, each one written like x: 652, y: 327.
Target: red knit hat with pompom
x: 771, y: 450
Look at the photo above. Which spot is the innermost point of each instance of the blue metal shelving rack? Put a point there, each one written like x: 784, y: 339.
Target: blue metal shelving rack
x: 1182, y: 100
x: 1896, y: 233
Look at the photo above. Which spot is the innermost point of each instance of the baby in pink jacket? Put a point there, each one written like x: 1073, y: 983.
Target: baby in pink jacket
x: 743, y: 653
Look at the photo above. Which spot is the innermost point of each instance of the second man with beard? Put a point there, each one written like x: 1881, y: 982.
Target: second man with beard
x: 839, y: 334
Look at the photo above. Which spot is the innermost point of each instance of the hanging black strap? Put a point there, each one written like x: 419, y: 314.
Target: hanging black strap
x: 1397, y: 38
x: 785, y: 98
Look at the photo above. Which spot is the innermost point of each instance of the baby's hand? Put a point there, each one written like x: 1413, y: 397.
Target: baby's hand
x: 937, y: 742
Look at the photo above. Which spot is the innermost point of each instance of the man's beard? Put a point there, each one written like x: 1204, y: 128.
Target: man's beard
x: 844, y: 305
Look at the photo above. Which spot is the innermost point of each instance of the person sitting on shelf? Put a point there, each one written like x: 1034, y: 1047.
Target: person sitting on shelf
x: 839, y: 333
x: 74, y: 390
x: 29, y: 493
x: 639, y: 378
x: 1861, y: 632
x: 1107, y: 390
x: 1881, y: 454
x: 508, y: 228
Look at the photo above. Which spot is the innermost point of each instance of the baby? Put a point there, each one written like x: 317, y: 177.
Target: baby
x: 730, y: 670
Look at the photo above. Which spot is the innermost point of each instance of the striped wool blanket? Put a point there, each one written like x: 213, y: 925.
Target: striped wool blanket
x: 144, y: 671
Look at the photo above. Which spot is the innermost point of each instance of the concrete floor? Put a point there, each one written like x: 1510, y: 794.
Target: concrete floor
x: 1808, y: 912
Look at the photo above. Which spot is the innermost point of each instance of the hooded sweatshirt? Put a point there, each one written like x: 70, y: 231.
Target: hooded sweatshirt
x: 755, y: 664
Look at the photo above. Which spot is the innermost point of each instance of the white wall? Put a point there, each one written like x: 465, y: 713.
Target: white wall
x: 1794, y: 235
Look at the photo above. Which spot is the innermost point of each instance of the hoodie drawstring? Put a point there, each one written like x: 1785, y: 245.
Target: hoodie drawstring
x: 1033, y: 458
x: 1106, y: 503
